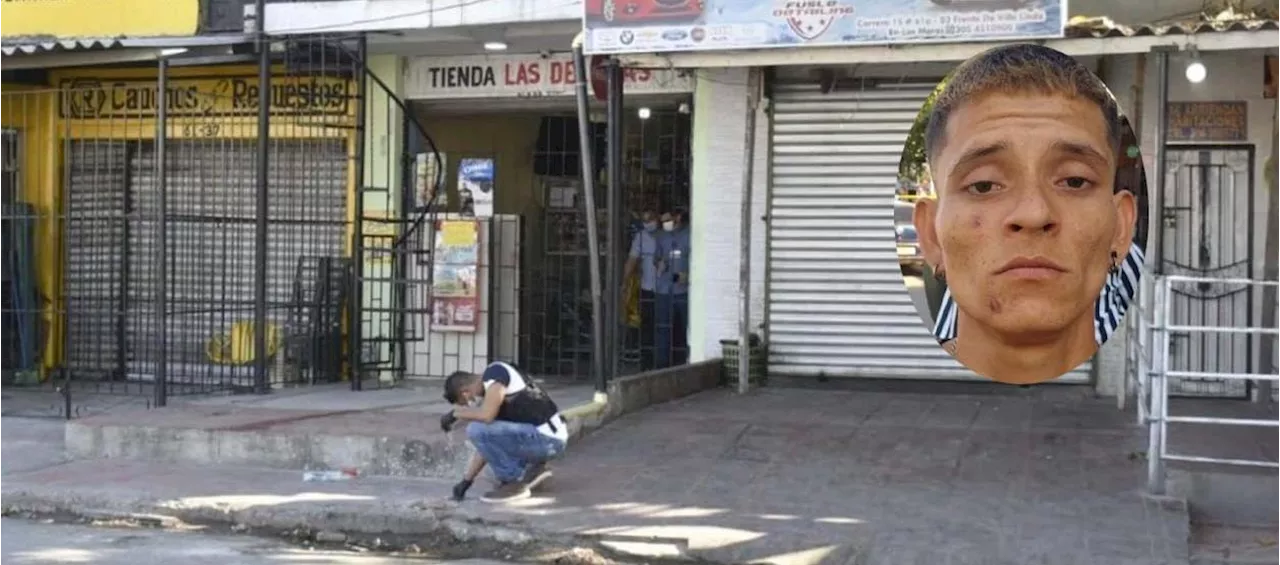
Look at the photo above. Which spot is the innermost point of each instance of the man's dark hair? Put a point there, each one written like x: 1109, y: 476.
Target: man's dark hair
x: 1020, y: 68
x: 454, y: 384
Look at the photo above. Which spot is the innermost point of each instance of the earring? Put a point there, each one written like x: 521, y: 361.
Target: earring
x: 1115, y: 263
x: 940, y: 273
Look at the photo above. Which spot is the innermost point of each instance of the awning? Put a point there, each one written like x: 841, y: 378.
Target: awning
x: 33, y: 46
x: 1227, y: 21
x: 39, y: 52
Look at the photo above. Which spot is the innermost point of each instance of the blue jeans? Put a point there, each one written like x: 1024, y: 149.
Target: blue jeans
x: 670, y: 320
x: 510, y: 447
x: 662, y: 317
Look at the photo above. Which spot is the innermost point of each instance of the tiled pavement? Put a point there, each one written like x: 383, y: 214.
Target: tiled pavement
x: 1047, y: 476
x: 1034, y: 477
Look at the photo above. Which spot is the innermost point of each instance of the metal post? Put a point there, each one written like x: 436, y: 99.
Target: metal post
x: 582, y: 74
x: 1270, y: 272
x: 162, y: 237
x: 744, y: 238
x: 1156, y: 242
x: 1159, y: 393
x: 355, y: 322
x: 614, y: 211
x: 260, y: 235
x: 1165, y: 360
x: 1143, y: 359
x: 1156, y: 180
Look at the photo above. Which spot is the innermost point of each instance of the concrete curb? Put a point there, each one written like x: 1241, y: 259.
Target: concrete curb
x: 440, y: 526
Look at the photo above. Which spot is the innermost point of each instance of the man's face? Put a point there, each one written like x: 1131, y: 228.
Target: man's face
x: 471, y: 394
x: 668, y: 221
x: 1026, y: 219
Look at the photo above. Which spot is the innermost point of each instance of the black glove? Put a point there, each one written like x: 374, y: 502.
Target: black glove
x: 447, y: 421
x: 460, y: 489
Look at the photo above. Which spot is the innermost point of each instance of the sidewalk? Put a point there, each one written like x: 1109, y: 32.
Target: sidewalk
x: 387, y: 432
x: 1048, y: 476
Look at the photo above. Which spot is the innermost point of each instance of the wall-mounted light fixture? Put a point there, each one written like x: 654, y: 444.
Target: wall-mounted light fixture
x: 1196, y: 71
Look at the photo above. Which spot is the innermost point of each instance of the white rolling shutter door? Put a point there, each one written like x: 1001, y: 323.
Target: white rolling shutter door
x: 837, y: 304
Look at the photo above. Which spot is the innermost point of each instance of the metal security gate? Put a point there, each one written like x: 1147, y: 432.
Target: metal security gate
x: 838, y: 305
x: 211, y: 210
x: 1207, y: 223
x: 94, y: 280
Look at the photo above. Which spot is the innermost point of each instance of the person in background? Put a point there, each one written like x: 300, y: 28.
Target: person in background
x: 645, y: 256
x: 676, y: 253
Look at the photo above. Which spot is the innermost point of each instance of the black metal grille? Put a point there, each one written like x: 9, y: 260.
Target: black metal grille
x: 118, y: 277
x: 134, y: 250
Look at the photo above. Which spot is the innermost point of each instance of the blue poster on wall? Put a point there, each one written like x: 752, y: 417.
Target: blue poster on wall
x: 657, y: 26
x: 475, y: 187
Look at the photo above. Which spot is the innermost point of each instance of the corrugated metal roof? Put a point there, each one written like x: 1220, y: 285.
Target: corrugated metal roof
x: 28, y: 46
x: 1102, y: 26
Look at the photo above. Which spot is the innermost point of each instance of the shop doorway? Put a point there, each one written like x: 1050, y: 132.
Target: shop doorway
x: 1207, y: 224
x: 535, y: 303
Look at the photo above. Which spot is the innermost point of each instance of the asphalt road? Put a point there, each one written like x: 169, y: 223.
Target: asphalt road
x: 38, y: 543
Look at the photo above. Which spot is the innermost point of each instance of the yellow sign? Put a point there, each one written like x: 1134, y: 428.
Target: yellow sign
x: 100, y: 18
x: 227, y: 96
x: 458, y: 233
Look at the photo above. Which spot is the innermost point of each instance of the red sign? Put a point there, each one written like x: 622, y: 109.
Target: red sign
x: 599, y: 77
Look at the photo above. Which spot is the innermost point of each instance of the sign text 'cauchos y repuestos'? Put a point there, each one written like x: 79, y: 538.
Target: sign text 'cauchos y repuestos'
x: 228, y: 96
x: 529, y: 76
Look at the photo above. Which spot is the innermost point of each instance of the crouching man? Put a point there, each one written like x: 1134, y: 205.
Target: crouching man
x: 514, y: 425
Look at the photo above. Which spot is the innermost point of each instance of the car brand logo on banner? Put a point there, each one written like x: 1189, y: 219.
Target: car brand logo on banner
x: 657, y: 26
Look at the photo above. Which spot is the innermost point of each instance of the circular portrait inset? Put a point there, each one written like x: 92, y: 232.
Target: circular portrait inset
x: 1021, y: 214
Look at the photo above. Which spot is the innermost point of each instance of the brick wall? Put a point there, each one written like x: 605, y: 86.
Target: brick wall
x: 719, y: 128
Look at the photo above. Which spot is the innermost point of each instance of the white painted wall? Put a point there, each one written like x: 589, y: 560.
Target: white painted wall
x: 719, y: 161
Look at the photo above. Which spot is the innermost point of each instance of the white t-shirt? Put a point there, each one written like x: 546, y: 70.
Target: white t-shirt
x: 516, y: 384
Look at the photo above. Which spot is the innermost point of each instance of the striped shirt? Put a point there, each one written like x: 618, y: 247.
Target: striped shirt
x: 1108, y: 311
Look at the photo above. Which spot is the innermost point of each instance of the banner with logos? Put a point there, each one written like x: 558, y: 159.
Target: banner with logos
x: 655, y: 26
x: 100, y: 18
x: 520, y: 76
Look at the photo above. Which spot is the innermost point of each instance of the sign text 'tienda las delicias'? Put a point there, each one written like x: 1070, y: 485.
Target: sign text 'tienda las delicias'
x: 530, y: 73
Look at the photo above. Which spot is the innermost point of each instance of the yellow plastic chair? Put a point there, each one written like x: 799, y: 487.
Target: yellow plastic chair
x: 237, y: 346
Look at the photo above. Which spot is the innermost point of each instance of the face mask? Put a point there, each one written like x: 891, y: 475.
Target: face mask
x: 668, y: 226
x: 650, y: 226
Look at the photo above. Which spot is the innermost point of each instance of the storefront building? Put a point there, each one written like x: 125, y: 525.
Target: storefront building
x: 493, y: 90
x: 516, y: 114
x: 118, y: 260
x: 88, y: 149
x: 826, y: 289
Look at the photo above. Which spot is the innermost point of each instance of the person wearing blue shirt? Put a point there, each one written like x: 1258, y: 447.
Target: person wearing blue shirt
x: 672, y: 293
x: 646, y: 255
